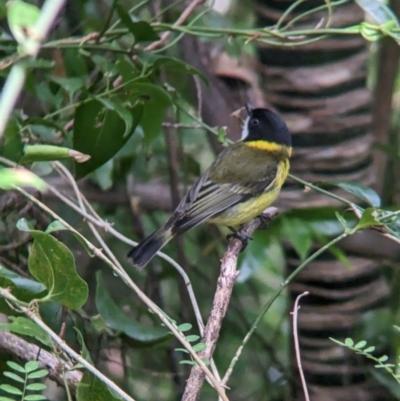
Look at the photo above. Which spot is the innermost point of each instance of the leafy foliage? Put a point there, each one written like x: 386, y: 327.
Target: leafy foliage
x: 25, y: 382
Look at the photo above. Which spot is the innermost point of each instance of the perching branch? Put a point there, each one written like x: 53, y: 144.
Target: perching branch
x: 222, y: 297
x: 58, y: 370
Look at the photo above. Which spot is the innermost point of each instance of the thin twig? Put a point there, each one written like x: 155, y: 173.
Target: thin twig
x: 32, y: 314
x: 182, y: 18
x: 142, y: 296
x: 222, y: 297
x: 297, y: 346
x: 59, y: 370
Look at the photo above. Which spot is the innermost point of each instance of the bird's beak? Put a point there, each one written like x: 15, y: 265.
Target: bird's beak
x: 249, y: 108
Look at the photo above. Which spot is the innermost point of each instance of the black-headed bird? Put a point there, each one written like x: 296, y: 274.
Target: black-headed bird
x: 240, y: 184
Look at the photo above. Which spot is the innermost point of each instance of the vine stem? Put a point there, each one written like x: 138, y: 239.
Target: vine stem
x: 142, y: 296
x: 31, y: 46
x: 273, y: 298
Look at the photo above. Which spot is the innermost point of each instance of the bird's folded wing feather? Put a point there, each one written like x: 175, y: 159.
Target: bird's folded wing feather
x: 207, y: 198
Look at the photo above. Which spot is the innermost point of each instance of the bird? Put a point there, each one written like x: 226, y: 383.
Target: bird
x: 244, y: 179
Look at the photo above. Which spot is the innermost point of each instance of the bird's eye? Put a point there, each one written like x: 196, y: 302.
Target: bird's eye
x: 254, y: 122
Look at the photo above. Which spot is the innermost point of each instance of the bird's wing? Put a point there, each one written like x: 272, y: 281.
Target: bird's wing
x: 207, y: 198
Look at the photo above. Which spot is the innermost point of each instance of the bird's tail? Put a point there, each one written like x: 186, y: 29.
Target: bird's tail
x: 146, y: 250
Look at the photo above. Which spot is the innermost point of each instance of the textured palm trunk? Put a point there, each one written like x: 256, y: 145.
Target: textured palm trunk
x: 320, y: 89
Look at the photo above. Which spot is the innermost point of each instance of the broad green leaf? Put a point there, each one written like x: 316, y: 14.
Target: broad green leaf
x: 26, y: 327
x: 299, y: 235
x: 123, y: 112
x: 52, y: 263
x: 103, y: 176
x: 22, y: 284
x: 118, y: 321
x: 21, y: 19
x: 368, y: 219
x: 368, y: 195
x: 58, y: 226
x: 141, y: 30
x: 13, y: 146
x: 387, y: 382
x: 70, y: 85
x: 36, y: 153
x: 2, y: 398
x: 151, y: 60
x: 100, y: 133
x: 91, y: 388
x: 155, y: 101
x: 14, y: 177
x: 378, y: 10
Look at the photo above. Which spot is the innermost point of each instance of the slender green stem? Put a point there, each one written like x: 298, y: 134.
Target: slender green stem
x: 287, y: 12
x: 321, y: 190
x: 274, y: 297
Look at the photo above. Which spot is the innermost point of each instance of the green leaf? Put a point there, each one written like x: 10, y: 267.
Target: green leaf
x: 184, y: 327
x: 2, y: 398
x: 151, y: 60
x: 368, y: 195
x: 155, y: 101
x: 34, y: 397
x: 14, y: 177
x: 37, y: 153
x: 101, y: 133
x: 118, y: 321
x: 186, y: 362
x: 10, y: 389
x: 21, y: 18
x: 342, y: 221
x: 192, y: 338
x: 141, y: 30
x: 368, y: 219
x: 26, y: 327
x: 360, y: 344
x: 38, y: 374
x: 383, y: 358
x: 378, y: 10
x: 36, y: 387
x: 349, y: 342
x: 14, y: 377
x: 16, y: 367
x: 58, y: 226
x: 181, y: 350
x: 199, y: 347
x: 369, y: 349
x: 70, y: 85
x: 123, y: 112
x: 52, y: 263
x: 23, y: 285
x: 30, y: 366
x: 299, y: 235
x: 13, y: 146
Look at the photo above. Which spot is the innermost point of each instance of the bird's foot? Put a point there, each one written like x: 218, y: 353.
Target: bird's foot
x: 244, y: 239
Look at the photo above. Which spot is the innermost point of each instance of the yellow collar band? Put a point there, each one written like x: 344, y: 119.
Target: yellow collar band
x: 269, y: 146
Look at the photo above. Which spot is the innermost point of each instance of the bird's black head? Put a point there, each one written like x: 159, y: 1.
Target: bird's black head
x: 265, y: 125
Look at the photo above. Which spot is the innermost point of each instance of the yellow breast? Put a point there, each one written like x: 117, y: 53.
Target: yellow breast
x: 253, y: 207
